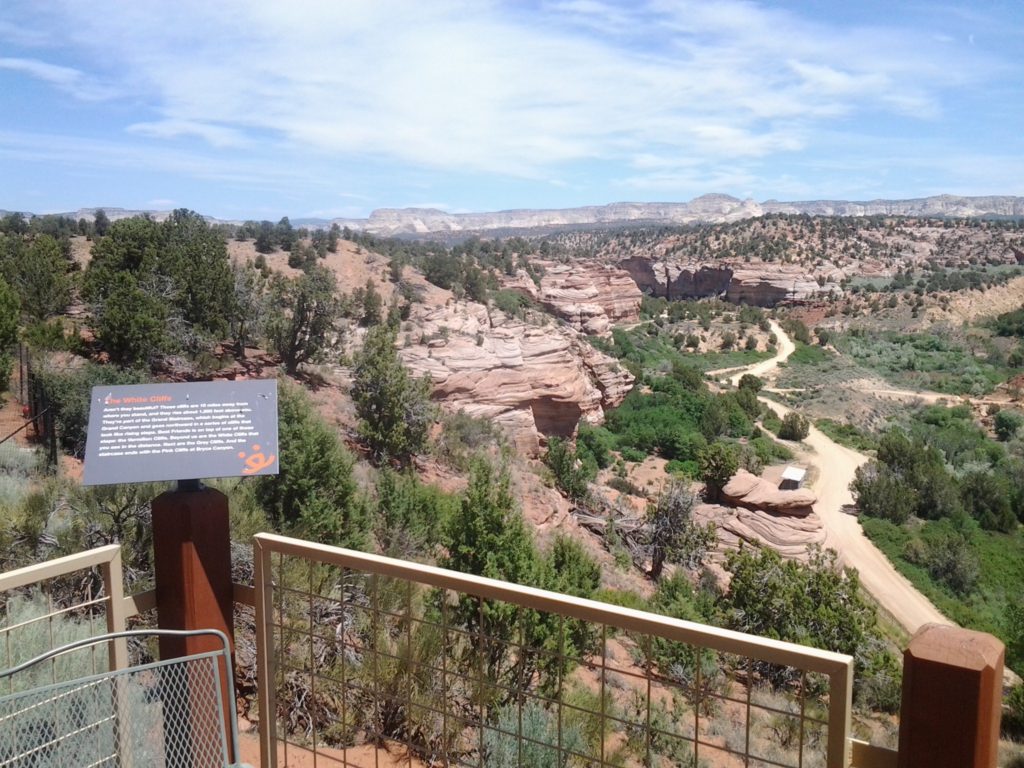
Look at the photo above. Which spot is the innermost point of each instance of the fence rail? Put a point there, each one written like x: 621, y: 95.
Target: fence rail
x: 356, y: 651
x: 36, y: 616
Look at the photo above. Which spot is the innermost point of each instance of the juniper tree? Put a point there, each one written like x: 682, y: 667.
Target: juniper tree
x: 302, y: 323
x: 394, y: 408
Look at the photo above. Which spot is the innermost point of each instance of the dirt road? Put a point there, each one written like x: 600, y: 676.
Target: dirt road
x: 836, y: 467
x: 894, y: 593
x: 786, y: 348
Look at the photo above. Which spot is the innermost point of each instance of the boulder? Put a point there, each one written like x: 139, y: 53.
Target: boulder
x: 750, y: 491
x: 792, y: 537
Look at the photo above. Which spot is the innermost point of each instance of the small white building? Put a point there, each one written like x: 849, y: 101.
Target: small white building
x: 792, y: 478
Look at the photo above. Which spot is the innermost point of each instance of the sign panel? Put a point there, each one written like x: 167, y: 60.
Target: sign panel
x: 145, y: 432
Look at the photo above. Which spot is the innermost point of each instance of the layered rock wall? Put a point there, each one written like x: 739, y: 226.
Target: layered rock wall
x: 534, y: 380
x: 748, y: 490
x: 591, y: 297
x: 763, y: 286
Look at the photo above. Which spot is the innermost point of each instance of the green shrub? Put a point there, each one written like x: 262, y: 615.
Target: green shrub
x: 510, y: 302
x: 749, y: 381
x: 463, y: 437
x: 1013, y: 714
x: 718, y: 463
x: 315, y: 494
x: 623, y: 485
x: 847, y: 434
x: 1007, y: 423
x: 531, y: 736
x: 570, y: 476
x: 632, y: 454
x: 771, y: 421
x: 948, y: 557
x: 794, y: 427
x: 68, y: 392
x: 596, y: 444
x: 689, y: 469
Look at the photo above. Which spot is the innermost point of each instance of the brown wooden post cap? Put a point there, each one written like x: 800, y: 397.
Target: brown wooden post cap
x: 952, y: 699
x: 956, y: 646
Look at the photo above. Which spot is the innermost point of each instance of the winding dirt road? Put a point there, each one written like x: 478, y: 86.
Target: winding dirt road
x: 836, y: 467
x: 893, y: 592
x: 786, y: 347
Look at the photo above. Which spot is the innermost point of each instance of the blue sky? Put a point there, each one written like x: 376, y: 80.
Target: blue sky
x: 262, y: 108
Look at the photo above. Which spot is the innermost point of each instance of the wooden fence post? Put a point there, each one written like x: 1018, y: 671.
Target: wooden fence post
x: 952, y: 699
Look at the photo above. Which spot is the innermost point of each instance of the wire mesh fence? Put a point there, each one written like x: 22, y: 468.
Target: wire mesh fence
x: 48, y: 605
x: 371, y: 661
x: 165, y: 714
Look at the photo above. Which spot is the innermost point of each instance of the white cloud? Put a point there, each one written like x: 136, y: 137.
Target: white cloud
x: 67, y: 79
x: 117, y: 156
x: 673, y: 90
x: 215, y: 135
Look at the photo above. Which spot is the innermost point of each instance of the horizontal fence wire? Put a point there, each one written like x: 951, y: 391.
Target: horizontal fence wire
x: 375, y: 662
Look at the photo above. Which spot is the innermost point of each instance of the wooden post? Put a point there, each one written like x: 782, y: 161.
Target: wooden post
x: 952, y: 699
x: 192, y: 565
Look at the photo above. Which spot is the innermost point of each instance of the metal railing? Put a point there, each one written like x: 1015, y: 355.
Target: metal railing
x: 359, y: 655
x: 49, y: 604
x: 162, y: 713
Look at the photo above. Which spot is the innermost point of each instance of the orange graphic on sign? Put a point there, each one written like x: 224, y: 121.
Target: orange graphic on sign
x: 256, y: 461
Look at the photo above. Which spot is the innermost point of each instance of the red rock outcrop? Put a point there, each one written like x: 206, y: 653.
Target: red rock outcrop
x: 591, y: 297
x: 763, y: 285
x: 535, y: 380
x: 792, y: 537
x: 750, y: 491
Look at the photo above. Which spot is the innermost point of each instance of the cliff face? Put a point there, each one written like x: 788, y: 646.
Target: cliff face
x: 713, y: 208
x: 768, y: 285
x: 763, y: 286
x: 676, y: 279
x: 534, y: 380
x: 591, y: 297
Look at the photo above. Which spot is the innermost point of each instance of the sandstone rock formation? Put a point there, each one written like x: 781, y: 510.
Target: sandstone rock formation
x: 792, y: 537
x: 763, y: 285
x: 753, y: 492
x: 676, y: 279
x: 535, y: 380
x: 767, y: 285
x: 591, y: 297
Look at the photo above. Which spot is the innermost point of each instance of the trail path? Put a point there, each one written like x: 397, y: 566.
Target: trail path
x: 786, y: 347
x: 836, y: 467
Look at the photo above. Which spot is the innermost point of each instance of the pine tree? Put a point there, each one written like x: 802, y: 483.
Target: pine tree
x: 305, y: 310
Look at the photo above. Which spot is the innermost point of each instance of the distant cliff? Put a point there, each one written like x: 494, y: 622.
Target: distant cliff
x: 713, y: 209
x: 707, y: 208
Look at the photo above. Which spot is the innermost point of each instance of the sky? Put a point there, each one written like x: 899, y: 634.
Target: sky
x: 262, y: 108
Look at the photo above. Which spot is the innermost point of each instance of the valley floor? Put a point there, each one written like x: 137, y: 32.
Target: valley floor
x: 836, y: 466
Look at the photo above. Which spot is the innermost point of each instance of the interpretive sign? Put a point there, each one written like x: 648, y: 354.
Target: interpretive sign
x: 146, y: 432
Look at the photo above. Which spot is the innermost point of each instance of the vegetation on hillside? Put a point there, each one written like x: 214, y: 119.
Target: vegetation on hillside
x: 942, y: 496
x: 944, y: 501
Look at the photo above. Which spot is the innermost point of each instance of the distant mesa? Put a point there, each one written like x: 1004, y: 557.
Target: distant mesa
x: 710, y: 208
